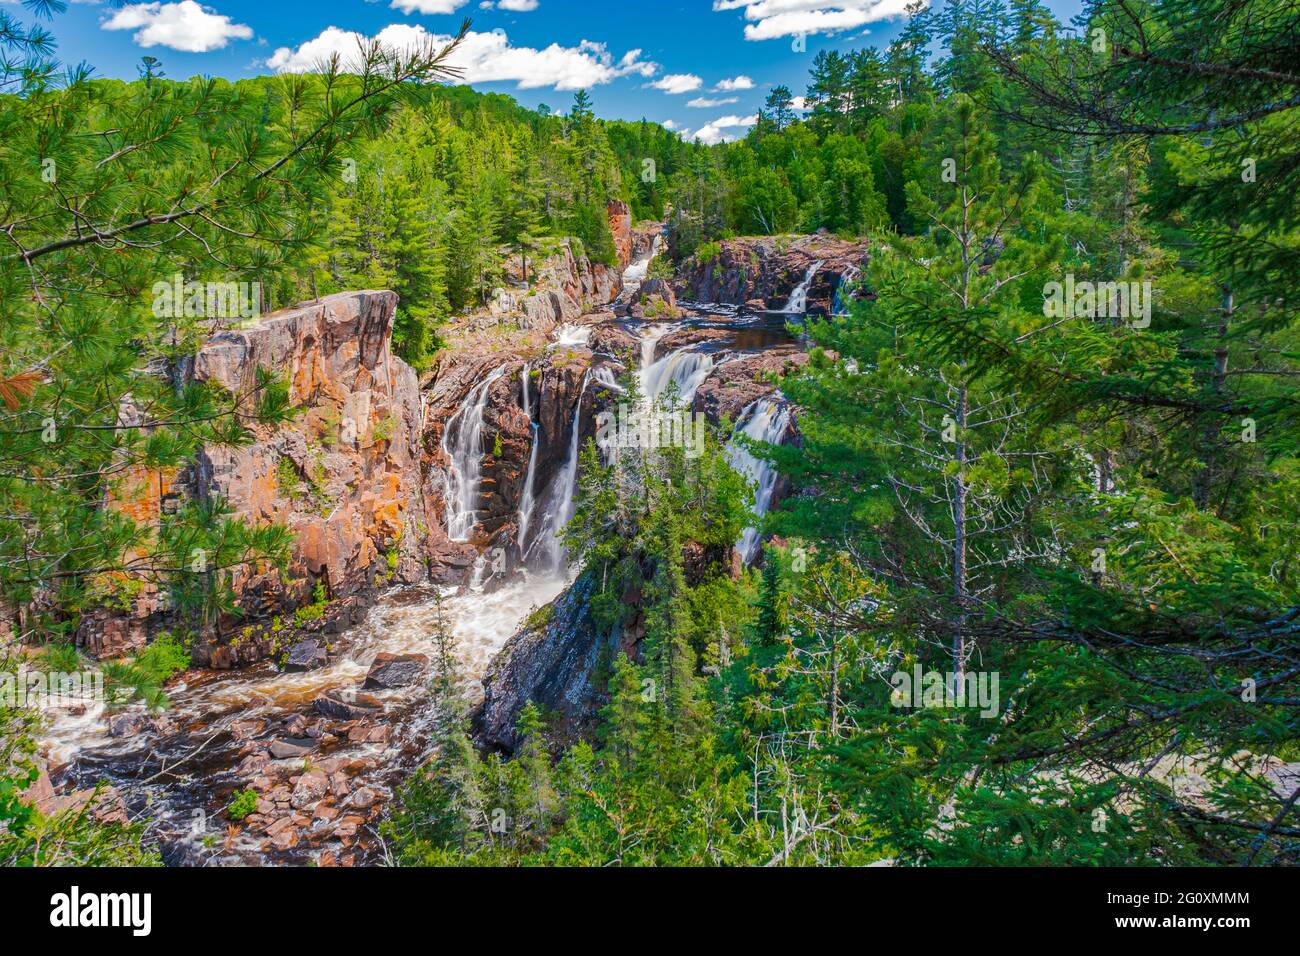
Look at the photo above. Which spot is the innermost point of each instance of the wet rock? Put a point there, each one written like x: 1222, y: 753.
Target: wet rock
x: 552, y: 666
x: 762, y: 271
x: 339, y: 785
x: 364, y: 798
x: 364, y: 734
x: 347, y: 705
x: 310, y: 788
x: 391, y: 671
x: 289, y: 748
x: 125, y: 725
x: 306, y: 655
x: 296, y: 726
x: 732, y: 386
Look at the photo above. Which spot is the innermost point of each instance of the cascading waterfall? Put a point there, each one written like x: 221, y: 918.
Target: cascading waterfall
x: 765, y: 420
x: 650, y: 342
x: 527, y: 500
x: 847, y: 277
x: 564, y: 488
x: 686, y: 368
x: 571, y: 336
x: 462, y: 444
x: 634, y: 275
x: 798, y: 302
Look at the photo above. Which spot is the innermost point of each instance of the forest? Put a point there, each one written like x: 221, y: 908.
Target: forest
x: 1031, y: 595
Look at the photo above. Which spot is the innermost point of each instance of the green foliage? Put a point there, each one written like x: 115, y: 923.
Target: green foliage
x: 242, y: 805
x: 316, y: 609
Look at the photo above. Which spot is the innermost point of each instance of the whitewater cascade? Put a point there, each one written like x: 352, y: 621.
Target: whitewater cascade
x: 527, y: 499
x: 798, y: 302
x: 767, y: 420
x: 570, y: 335
x: 564, y: 488
x: 841, y: 304
x: 636, y: 272
x: 462, y: 443
x: 687, y: 368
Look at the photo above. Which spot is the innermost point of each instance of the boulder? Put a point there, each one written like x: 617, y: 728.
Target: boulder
x: 306, y: 655
x: 347, y: 705
x: 391, y: 671
x: 290, y: 748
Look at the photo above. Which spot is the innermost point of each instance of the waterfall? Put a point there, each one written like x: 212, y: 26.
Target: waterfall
x: 847, y: 277
x: 564, y: 487
x: 687, y: 368
x: 462, y: 444
x: 571, y: 335
x: 604, y: 376
x: 527, y: 398
x: 650, y: 341
x: 765, y: 420
x: 526, y: 501
x: 798, y: 302
x: 636, y: 272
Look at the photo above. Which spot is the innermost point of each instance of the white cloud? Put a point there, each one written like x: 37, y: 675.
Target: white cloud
x: 517, y: 6
x: 482, y: 57
x: 676, y: 83
x: 668, y: 124
x: 428, y: 6
x: 769, y: 19
x: 798, y: 103
x: 182, y: 26
x: 705, y: 102
x: 712, y: 133
x: 741, y: 82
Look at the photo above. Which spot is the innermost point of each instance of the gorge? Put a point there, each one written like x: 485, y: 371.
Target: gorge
x: 413, y: 499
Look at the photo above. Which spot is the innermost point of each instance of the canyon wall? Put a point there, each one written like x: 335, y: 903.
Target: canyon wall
x: 761, y: 271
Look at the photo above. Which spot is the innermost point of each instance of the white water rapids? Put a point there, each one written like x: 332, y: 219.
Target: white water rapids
x: 462, y: 443
x: 765, y: 420
x: 798, y: 301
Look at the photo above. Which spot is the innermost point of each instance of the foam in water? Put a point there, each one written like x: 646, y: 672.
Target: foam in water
x: 841, y: 304
x: 462, y: 443
x: 798, y: 302
x: 634, y: 275
x: 571, y: 336
x: 685, y: 367
x: 765, y: 420
x: 563, y: 489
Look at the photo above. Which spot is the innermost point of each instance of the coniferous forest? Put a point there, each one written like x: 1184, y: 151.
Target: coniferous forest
x: 977, y: 544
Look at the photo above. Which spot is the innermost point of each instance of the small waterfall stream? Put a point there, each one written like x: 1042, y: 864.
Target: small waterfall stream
x: 527, y: 498
x: 765, y: 420
x: 798, y: 301
x: 635, y: 274
x: 462, y: 443
x: 840, y: 305
x: 563, y: 490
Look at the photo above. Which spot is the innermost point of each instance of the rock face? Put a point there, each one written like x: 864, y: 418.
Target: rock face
x: 562, y: 287
x: 733, y: 386
x: 620, y: 226
x: 554, y: 666
x: 344, y: 477
x: 762, y: 271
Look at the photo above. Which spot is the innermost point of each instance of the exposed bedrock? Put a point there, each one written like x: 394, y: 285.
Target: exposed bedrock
x: 762, y: 271
x: 556, y: 664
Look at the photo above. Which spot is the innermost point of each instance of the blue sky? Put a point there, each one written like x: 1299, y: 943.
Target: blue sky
x: 702, y: 66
